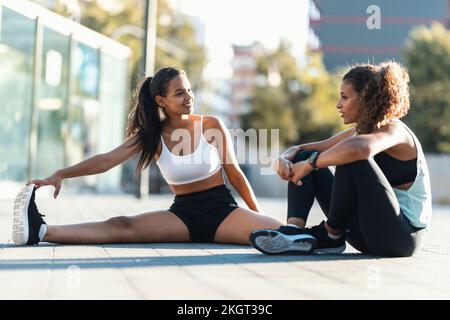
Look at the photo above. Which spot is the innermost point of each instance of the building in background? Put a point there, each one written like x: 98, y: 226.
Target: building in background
x: 243, y: 80
x: 217, y: 97
x: 339, y: 28
x: 64, y: 91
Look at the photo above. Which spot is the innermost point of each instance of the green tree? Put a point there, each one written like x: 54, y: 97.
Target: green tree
x: 427, y: 56
x: 270, y: 112
x: 172, y: 27
x: 319, y: 100
x: 301, y: 105
x: 270, y: 105
x: 180, y: 32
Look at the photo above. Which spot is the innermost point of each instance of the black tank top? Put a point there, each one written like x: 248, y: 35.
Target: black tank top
x: 396, y: 171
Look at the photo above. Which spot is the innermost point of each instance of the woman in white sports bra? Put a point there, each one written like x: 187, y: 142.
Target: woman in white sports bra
x: 203, y: 210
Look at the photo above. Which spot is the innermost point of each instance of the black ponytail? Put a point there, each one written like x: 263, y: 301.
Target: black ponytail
x: 144, y: 121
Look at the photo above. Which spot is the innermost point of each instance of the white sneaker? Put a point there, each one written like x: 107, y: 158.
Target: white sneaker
x: 27, y: 221
x: 285, y: 240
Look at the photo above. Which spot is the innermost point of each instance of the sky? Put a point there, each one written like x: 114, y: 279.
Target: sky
x: 241, y: 22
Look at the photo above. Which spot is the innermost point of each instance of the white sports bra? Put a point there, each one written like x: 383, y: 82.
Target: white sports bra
x: 198, y: 165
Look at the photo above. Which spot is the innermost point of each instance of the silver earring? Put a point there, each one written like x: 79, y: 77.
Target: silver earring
x: 162, y: 115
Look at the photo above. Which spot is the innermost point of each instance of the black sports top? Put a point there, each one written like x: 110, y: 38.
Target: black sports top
x: 396, y: 171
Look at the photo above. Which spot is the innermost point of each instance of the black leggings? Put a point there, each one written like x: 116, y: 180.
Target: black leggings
x: 360, y: 200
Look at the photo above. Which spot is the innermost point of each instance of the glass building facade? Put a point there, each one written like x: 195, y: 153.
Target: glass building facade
x: 64, y: 92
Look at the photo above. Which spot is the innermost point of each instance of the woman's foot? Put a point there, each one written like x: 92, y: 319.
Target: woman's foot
x: 28, y: 226
x: 293, y: 240
x: 287, y: 239
x: 327, y: 243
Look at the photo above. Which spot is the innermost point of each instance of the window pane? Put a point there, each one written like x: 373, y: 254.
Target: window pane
x: 17, y: 42
x: 113, y: 99
x: 86, y: 69
x: 51, y: 103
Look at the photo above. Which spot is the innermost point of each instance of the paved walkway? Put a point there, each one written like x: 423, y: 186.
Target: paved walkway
x: 206, y: 271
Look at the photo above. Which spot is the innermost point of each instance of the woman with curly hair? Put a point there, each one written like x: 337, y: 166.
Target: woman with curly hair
x: 379, y: 198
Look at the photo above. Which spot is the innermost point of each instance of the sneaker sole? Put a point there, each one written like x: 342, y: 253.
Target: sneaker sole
x: 272, y: 242
x: 330, y: 250
x: 20, y: 231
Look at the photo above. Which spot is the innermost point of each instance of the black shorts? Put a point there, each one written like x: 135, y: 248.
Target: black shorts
x: 202, y: 212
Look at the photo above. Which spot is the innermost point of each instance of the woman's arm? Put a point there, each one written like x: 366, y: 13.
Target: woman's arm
x: 230, y: 164
x: 320, y: 146
x: 362, y: 147
x: 352, y: 149
x: 282, y: 165
x: 96, y: 164
x: 101, y: 162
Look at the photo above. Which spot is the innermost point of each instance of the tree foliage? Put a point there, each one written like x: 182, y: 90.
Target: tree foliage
x: 301, y: 105
x: 427, y: 56
x: 172, y: 26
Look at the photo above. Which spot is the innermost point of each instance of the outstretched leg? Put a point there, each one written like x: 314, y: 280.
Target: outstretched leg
x: 158, y: 226
x: 29, y: 227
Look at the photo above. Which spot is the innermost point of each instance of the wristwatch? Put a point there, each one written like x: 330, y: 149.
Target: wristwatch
x: 313, y: 159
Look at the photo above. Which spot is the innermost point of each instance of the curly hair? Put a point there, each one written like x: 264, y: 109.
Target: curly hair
x: 382, y: 91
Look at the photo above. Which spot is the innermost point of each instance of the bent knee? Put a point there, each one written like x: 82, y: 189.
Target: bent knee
x: 302, y: 155
x: 356, y: 165
x: 122, y: 223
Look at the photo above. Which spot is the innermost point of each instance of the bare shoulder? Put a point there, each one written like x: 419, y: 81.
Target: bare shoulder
x: 401, y: 129
x: 405, y: 146
x: 215, y: 130
x: 213, y: 122
x: 392, y: 128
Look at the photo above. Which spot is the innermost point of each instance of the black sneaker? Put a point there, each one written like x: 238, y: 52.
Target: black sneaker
x: 27, y: 220
x: 326, y: 245
x: 284, y: 240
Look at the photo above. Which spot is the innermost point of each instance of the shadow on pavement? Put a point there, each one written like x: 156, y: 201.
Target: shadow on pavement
x: 157, y: 259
